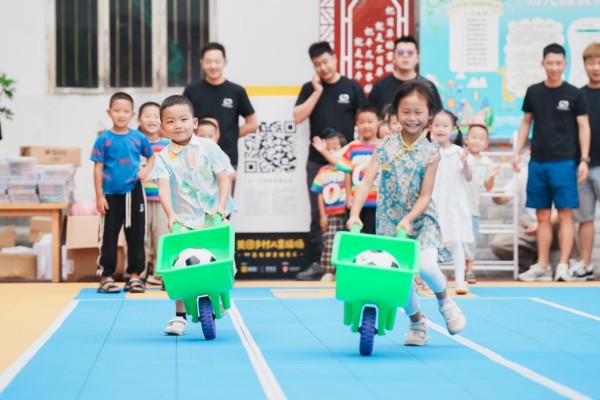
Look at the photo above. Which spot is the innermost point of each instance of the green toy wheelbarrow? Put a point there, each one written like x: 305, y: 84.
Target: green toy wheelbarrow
x: 204, y: 288
x: 368, y: 290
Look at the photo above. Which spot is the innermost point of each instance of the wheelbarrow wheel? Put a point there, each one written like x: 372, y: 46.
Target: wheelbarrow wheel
x: 368, y: 331
x: 207, y: 318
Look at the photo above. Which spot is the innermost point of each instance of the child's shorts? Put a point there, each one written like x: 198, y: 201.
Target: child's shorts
x: 552, y: 182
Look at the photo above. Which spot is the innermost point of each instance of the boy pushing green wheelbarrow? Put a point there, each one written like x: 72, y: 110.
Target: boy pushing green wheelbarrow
x: 193, y: 187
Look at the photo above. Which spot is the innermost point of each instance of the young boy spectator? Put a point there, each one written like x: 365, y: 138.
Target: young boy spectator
x: 156, y: 220
x: 559, y: 115
x: 119, y: 194
x: 355, y: 159
x: 329, y: 184
x: 208, y: 128
x: 589, y: 190
x: 193, y: 184
x: 483, y: 174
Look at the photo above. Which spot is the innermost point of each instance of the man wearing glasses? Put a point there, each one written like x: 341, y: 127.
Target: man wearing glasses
x: 406, y: 59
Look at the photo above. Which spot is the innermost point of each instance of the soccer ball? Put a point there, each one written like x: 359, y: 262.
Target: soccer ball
x: 377, y: 258
x: 193, y: 256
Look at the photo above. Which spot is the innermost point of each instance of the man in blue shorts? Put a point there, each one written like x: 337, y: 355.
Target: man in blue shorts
x: 560, y: 125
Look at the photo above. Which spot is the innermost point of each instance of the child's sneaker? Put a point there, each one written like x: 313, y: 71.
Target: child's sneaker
x: 176, y: 326
x: 462, y: 288
x: 328, y: 277
x: 470, y: 277
x: 580, y: 272
x: 455, y: 320
x: 536, y: 274
x: 154, y: 280
x: 417, y: 333
x: 562, y: 273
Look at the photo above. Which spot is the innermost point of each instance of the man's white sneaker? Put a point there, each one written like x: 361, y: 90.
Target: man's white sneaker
x: 536, y: 274
x: 417, y: 334
x: 562, y: 273
x: 579, y: 272
x: 454, y: 317
x: 176, y: 326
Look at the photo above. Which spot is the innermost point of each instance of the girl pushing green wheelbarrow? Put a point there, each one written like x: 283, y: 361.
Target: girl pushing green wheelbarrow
x: 408, y: 163
x: 193, y: 187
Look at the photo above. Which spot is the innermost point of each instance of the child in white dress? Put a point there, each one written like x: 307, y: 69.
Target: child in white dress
x: 449, y: 194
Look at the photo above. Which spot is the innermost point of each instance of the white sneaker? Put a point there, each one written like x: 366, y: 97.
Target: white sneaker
x: 454, y: 317
x: 154, y: 280
x: 562, y: 273
x: 536, y: 274
x: 579, y: 272
x: 176, y: 326
x: 328, y: 277
x: 462, y: 288
x: 417, y: 334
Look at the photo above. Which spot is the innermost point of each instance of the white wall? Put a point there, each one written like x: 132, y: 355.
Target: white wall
x: 266, y: 41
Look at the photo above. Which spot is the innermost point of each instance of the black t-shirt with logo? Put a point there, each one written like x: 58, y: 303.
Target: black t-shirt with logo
x: 385, y: 89
x: 592, y: 97
x: 335, y: 109
x: 555, y: 112
x: 226, y: 102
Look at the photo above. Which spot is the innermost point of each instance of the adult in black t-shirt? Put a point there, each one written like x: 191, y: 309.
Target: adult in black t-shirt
x: 226, y: 101
x: 329, y: 101
x: 406, y: 58
x: 589, y: 190
x: 559, y: 115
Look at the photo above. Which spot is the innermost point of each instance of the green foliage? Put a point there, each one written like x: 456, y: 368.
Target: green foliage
x: 7, y: 89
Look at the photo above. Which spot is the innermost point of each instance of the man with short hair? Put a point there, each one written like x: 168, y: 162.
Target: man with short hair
x: 406, y: 59
x: 329, y: 101
x: 589, y: 190
x: 559, y: 115
x: 227, y: 101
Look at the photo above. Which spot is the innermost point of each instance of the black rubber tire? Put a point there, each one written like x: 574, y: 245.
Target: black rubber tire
x: 207, y: 318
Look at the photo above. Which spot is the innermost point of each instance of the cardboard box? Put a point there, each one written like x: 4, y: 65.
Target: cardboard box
x: 85, y: 261
x: 39, y: 226
x: 18, y: 266
x: 53, y: 155
x: 8, y: 236
x: 82, y: 232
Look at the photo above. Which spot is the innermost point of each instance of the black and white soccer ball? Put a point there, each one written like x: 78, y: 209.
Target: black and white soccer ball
x: 376, y: 258
x: 193, y: 256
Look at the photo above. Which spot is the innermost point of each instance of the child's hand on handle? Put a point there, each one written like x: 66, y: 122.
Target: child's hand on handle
x: 101, y: 205
x: 171, y: 220
x: 406, y: 225
x: 354, y: 221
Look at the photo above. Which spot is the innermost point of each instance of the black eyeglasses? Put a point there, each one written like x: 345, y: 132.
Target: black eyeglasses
x: 408, y: 53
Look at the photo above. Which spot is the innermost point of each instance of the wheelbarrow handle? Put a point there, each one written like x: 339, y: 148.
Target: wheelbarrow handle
x: 401, y: 234
x: 355, y: 228
x: 218, y: 219
x: 176, y: 228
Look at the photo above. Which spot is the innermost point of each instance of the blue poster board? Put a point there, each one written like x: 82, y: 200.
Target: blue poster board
x: 483, y: 54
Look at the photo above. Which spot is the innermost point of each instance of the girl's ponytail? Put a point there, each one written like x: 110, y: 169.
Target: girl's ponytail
x: 459, y: 137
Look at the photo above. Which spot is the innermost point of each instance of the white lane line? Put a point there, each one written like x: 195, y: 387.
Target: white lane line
x: 519, y: 369
x: 265, y: 375
x: 565, y: 308
x: 13, y: 369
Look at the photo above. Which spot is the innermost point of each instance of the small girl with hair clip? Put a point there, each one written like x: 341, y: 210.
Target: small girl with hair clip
x: 449, y: 193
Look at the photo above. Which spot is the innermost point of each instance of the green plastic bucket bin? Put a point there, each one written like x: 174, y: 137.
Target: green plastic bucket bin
x: 214, y: 279
x: 358, y: 285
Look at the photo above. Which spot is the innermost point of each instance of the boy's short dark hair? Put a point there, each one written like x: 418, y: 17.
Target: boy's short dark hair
x: 205, y: 122
x: 482, y: 126
x: 175, y: 100
x: 367, y: 109
x: 147, y: 104
x: 332, y: 133
x: 120, y: 96
x: 407, y: 39
x: 212, y: 46
x: 319, y: 48
x: 554, y: 48
x: 206, y: 116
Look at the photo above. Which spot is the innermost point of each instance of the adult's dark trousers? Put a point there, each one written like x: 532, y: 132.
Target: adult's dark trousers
x: 129, y: 211
x: 315, y: 244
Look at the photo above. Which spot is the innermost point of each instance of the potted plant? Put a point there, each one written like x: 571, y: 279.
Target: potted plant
x: 7, y: 88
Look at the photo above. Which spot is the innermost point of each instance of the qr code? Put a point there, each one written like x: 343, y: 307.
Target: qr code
x: 272, y: 148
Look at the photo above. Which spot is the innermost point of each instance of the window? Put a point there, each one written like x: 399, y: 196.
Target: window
x: 142, y: 44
